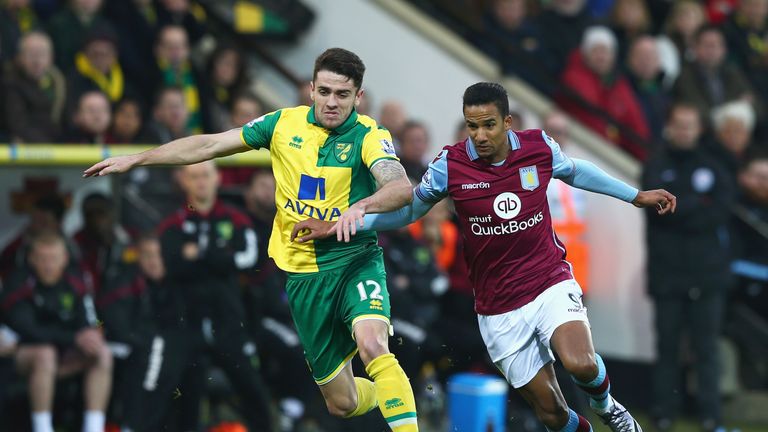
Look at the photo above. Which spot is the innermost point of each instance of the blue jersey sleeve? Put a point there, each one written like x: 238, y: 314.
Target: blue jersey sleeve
x: 398, y: 218
x: 585, y: 175
x: 562, y: 166
x: 434, y: 183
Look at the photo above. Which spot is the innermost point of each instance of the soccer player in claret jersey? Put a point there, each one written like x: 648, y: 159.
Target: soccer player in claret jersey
x: 331, y: 163
x: 525, y: 296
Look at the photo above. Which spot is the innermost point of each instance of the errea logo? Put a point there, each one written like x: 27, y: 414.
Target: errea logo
x: 507, y: 205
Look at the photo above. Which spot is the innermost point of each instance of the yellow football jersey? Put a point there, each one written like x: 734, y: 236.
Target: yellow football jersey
x: 319, y: 173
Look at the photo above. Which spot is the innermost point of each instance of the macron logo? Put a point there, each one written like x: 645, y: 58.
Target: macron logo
x: 471, y: 186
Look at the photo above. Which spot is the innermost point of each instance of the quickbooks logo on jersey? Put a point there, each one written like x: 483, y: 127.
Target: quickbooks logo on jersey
x: 312, y: 188
x: 506, y: 206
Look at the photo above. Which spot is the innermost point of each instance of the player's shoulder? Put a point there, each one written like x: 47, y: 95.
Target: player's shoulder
x: 293, y: 113
x: 537, y: 135
x: 368, y: 122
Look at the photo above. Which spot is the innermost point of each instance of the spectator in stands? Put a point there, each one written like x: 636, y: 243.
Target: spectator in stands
x: 226, y: 72
x: 646, y: 77
x: 97, y: 68
x: 563, y: 24
x: 34, y: 92
x: 709, y: 80
x: 305, y: 92
x: 91, y: 120
x: 747, y: 323
x: 136, y: 25
x: 688, y: 266
x: 592, y: 77
x: 54, y: 315
x: 102, y: 243
x: 184, y: 13
x: 267, y: 307
x: 414, y: 145
x: 366, y: 103
x: 16, y: 19
x: 462, y: 133
x: 70, y: 27
x: 175, y: 69
x: 45, y: 215
x: 143, y: 316
x: 733, y: 123
x: 742, y: 30
x: 206, y: 245
x: 629, y: 20
x: 684, y: 21
x: 170, y: 117
x: 393, y: 117
x: 127, y: 125
x: 510, y: 37
x: 245, y: 107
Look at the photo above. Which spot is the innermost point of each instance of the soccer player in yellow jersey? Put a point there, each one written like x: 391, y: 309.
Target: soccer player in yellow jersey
x: 334, y: 164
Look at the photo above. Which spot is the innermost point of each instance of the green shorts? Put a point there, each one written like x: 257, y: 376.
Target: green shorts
x: 325, y: 305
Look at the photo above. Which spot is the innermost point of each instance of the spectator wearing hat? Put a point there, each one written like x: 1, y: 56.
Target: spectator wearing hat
x: 592, y: 77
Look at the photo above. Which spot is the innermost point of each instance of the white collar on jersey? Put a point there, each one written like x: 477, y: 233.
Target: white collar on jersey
x: 514, y: 143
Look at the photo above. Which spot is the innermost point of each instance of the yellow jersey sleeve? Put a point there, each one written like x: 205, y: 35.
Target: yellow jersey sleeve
x: 377, y: 145
x: 257, y: 133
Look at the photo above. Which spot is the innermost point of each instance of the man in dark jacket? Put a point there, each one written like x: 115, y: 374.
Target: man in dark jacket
x: 143, y: 319
x: 688, y: 264
x: 206, y: 245
x: 55, y: 318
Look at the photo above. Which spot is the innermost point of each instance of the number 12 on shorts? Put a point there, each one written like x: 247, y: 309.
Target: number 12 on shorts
x: 375, y: 294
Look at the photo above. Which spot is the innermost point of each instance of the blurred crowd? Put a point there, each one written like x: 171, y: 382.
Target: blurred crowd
x: 168, y: 307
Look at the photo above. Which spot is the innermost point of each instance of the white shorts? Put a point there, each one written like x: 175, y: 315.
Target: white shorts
x: 518, y: 341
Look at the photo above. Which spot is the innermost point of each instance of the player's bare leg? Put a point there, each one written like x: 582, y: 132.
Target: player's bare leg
x: 547, y: 401
x: 573, y: 343
x: 340, y: 394
x: 39, y: 364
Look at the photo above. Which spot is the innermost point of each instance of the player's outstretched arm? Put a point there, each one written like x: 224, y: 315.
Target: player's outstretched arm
x: 183, y: 151
x: 394, y: 192
x: 313, y: 229
x: 588, y: 176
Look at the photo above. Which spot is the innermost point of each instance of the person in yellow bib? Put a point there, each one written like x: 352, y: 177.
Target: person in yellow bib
x: 333, y: 164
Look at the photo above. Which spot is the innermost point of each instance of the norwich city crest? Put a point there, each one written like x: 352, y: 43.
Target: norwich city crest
x: 342, y: 151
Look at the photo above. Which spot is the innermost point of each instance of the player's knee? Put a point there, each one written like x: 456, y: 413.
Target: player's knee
x: 44, y: 360
x: 104, y: 359
x: 341, y: 406
x: 583, y: 367
x: 370, y: 348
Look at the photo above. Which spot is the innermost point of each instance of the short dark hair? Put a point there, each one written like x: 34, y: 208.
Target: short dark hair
x: 487, y: 92
x: 707, y: 28
x: 683, y: 106
x: 53, y: 204
x: 342, y: 62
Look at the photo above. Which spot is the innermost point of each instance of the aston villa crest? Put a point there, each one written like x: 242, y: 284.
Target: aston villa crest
x: 529, y: 177
x: 341, y: 151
